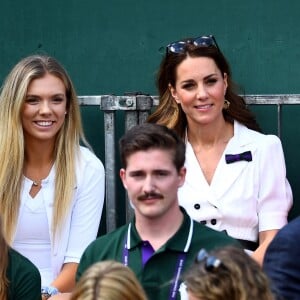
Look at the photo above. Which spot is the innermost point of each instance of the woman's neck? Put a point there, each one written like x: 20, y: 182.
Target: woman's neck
x: 208, y: 136
x: 39, y: 158
x: 37, y: 153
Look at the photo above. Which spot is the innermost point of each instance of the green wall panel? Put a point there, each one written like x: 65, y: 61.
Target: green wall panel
x: 113, y: 47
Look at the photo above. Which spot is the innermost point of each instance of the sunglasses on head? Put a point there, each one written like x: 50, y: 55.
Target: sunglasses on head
x: 201, y: 41
x: 211, y: 263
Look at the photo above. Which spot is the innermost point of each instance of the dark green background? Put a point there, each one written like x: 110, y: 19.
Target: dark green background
x: 113, y: 47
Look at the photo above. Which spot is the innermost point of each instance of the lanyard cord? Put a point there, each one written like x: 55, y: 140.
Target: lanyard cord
x: 179, y: 264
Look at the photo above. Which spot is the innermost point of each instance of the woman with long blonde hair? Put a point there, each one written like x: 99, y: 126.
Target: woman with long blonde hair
x: 51, y: 188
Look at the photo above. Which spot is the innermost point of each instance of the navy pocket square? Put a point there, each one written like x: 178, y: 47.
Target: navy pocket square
x: 231, y: 158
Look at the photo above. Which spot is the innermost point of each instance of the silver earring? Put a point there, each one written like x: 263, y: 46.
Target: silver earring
x: 226, y: 104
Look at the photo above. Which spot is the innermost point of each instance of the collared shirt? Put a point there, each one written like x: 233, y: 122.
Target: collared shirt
x: 159, y: 270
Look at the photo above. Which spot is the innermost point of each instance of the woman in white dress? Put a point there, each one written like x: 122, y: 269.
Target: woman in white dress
x: 236, y: 176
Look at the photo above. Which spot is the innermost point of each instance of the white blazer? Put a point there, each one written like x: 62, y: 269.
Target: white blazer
x: 244, y: 197
x: 82, y: 220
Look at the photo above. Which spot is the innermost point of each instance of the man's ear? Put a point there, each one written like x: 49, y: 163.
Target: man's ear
x: 181, y: 174
x: 123, y: 177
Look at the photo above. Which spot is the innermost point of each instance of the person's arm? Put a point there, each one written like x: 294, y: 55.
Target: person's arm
x: 265, y: 238
x: 63, y: 296
x: 90, y: 256
x: 274, y: 196
x: 85, y: 218
x: 65, y: 281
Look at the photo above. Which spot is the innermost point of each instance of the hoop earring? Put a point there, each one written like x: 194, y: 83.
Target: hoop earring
x: 226, y: 104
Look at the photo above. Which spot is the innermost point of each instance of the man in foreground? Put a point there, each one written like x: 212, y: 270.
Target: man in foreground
x: 161, y: 241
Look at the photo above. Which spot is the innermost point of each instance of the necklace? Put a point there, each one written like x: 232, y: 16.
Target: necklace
x: 42, y: 174
x: 36, y: 182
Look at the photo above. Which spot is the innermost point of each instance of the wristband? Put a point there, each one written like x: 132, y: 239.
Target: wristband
x: 48, y: 291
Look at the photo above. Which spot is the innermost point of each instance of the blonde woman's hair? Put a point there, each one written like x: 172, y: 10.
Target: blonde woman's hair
x: 12, y: 144
x: 3, y: 264
x: 236, y: 276
x: 108, y: 280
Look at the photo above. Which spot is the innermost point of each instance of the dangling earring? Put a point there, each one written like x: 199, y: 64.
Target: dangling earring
x: 226, y: 104
x: 176, y: 100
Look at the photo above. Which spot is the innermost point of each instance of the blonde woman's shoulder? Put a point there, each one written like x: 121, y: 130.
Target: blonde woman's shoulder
x: 90, y: 158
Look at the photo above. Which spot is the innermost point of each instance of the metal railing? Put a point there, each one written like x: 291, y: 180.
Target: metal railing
x: 136, y: 109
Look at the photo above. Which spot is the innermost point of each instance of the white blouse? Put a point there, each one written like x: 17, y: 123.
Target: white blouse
x: 81, y: 224
x: 32, y: 237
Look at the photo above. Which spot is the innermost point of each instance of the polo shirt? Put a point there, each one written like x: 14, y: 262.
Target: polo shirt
x: 24, y: 278
x: 157, y: 274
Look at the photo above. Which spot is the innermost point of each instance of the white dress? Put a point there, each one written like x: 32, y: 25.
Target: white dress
x: 244, y: 197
